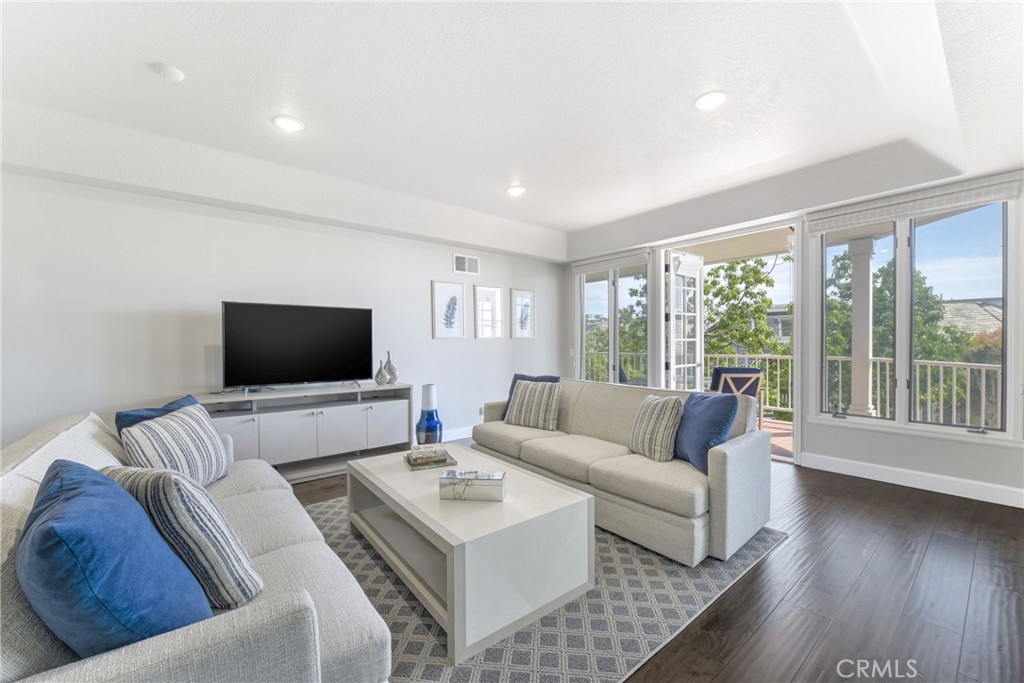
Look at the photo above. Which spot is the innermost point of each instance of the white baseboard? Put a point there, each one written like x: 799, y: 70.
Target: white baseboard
x: 940, y: 483
x: 458, y: 433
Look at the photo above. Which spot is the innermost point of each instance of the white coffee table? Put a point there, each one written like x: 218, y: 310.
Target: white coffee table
x: 482, y: 569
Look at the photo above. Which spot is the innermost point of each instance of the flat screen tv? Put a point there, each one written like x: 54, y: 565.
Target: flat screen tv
x: 267, y: 344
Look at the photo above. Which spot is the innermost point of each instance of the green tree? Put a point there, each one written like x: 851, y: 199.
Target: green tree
x: 736, y: 307
x: 932, y: 339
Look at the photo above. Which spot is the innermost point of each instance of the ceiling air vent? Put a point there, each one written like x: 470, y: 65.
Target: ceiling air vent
x: 467, y: 264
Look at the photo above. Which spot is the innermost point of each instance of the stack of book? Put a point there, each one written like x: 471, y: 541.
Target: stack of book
x: 429, y: 456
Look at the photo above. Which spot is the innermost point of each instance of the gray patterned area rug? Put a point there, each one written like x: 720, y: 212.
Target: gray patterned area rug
x: 640, y: 601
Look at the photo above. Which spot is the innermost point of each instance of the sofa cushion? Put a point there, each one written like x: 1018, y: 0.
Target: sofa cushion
x: 262, y: 533
x: 355, y: 643
x: 707, y: 419
x: 654, y: 432
x: 192, y: 524
x: 246, y: 476
x: 675, y: 486
x: 571, y: 455
x: 506, y: 438
x: 606, y: 411
x: 95, y: 569
x: 184, y: 441
x: 529, y: 378
x: 534, y: 404
x: 127, y: 418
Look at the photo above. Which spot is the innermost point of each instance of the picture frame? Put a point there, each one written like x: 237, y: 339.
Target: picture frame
x: 489, y: 312
x: 522, y: 323
x: 448, y: 306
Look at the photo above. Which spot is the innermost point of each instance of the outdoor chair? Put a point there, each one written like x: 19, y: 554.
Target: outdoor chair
x: 746, y: 381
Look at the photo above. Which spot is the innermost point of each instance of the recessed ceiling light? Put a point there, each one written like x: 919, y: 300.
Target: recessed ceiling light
x: 171, y: 73
x: 710, y: 100
x: 516, y: 190
x: 288, y: 123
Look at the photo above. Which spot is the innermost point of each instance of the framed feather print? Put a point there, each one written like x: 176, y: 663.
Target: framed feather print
x: 449, y: 306
x: 522, y: 314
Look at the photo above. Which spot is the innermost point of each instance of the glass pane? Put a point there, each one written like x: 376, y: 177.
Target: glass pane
x: 632, y: 305
x: 859, y: 313
x: 595, y: 326
x: 488, y: 312
x: 958, y: 337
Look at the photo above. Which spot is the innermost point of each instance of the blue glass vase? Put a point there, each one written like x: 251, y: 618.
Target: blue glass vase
x: 428, y: 429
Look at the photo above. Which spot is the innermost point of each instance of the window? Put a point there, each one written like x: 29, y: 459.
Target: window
x: 859, y: 321
x: 958, y: 334
x: 614, y: 325
x: 914, y: 293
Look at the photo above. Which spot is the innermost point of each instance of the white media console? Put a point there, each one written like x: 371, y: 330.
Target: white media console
x: 312, y: 431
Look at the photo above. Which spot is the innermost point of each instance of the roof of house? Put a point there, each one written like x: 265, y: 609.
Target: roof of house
x: 973, y: 315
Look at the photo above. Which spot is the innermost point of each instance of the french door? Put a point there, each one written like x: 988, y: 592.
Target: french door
x: 684, y: 321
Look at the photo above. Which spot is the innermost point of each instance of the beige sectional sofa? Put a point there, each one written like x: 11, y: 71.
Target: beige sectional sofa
x: 311, y: 622
x: 669, y: 507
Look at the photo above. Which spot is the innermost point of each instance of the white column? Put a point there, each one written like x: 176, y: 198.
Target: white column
x: 861, y: 251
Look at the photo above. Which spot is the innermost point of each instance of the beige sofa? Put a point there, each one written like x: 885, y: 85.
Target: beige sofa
x: 311, y: 622
x: 669, y: 507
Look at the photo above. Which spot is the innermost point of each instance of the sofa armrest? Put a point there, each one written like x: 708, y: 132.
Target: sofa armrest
x: 493, y: 410
x: 739, y: 491
x: 229, y: 446
x: 276, y: 639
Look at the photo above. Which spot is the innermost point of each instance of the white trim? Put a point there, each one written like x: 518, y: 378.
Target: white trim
x: 916, y: 429
x: 1001, y: 187
x: 635, y: 257
x: 940, y: 483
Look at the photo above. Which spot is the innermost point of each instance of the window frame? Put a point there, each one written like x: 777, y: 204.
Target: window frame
x: 901, y: 209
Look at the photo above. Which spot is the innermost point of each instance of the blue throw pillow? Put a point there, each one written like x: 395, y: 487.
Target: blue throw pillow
x: 96, y: 570
x: 707, y: 419
x: 515, y: 380
x: 127, y: 418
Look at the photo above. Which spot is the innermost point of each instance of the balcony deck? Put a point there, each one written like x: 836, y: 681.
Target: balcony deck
x: 782, y: 437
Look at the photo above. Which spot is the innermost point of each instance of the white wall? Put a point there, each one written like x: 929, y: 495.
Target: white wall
x: 111, y: 300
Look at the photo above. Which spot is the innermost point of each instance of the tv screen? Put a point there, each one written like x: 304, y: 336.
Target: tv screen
x: 275, y: 344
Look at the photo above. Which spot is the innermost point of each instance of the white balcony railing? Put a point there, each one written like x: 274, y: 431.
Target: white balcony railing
x: 962, y: 394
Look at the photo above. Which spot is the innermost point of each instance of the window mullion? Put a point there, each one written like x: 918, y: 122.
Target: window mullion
x: 904, y: 322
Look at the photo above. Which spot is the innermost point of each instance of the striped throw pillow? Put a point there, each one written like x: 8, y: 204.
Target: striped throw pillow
x: 193, y: 525
x: 184, y: 441
x: 534, y: 404
x: 654, y: 432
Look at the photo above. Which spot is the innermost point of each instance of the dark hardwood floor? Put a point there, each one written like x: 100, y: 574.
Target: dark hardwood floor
x: 870, y: 571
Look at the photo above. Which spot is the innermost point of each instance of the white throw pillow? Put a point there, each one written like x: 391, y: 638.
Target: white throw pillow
x: 184, y: 441
x: 193, y: 525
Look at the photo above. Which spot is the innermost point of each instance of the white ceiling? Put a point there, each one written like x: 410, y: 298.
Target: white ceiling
x: 588, y: 105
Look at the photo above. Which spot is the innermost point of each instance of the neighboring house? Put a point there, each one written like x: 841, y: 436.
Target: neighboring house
x: 780, y: 319
x: 973, y: 315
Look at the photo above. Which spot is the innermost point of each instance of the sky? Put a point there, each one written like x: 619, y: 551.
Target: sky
x: 960, y: 257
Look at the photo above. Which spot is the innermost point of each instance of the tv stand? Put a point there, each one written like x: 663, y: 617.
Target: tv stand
x: 312, y: 431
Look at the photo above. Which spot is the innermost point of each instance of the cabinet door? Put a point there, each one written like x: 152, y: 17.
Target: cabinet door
x: 387, y: 423
x: 288, y: 436
x: 341, y: 429
x: 245, y: 434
